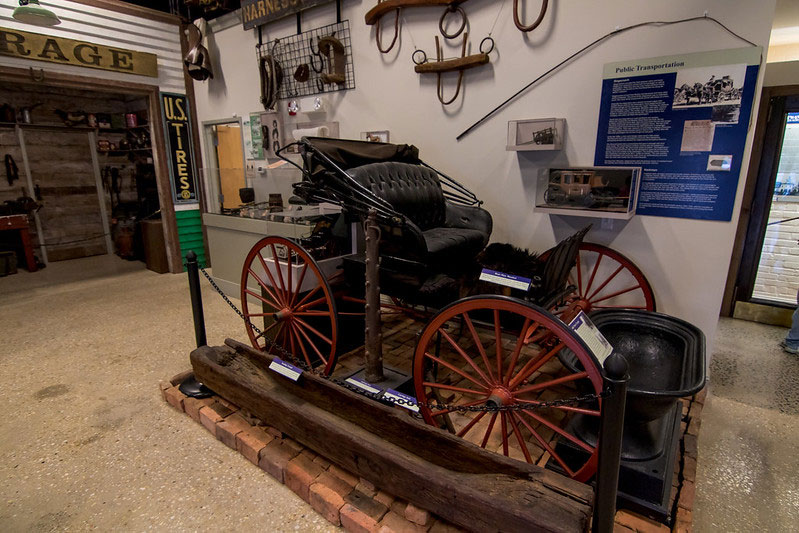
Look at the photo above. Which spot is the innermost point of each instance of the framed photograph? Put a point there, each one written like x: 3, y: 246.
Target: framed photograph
x: 375, y: 136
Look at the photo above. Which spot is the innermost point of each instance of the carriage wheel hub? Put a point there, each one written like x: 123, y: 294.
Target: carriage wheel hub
x: 283, y: 314
x: 500, y: 396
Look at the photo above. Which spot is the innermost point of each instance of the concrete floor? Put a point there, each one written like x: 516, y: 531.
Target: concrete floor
x: 87, y: 443
x: 748, y: 469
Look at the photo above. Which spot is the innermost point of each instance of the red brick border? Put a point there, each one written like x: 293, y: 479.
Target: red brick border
x: 358, y: 505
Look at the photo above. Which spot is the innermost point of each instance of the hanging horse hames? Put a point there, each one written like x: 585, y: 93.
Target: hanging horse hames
x: 458, y: 64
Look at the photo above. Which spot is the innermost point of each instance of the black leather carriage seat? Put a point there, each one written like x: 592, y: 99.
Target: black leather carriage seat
x: 438, y: 231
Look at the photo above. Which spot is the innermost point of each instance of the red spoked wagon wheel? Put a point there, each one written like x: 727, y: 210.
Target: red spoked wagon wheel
x: 605, y: 279
x: 493, y: 350
x: 283, y: 288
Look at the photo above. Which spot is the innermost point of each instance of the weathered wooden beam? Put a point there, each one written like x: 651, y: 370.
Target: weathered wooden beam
x: 452, y: 65
x: 454, y: 479
x: 387, y: 6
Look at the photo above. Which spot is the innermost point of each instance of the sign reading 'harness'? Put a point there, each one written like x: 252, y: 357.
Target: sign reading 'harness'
x: 257, y: 12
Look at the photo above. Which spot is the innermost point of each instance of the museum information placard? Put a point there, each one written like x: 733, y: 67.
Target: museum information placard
x: 684, y: 119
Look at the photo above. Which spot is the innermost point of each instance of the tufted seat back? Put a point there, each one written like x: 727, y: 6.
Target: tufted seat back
x: 413, y: 190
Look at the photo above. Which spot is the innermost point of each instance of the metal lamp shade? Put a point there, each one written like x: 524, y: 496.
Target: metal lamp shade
x: 30, y: 12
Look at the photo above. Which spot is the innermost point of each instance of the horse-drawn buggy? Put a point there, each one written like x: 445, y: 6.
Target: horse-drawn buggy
x: 495, y: 364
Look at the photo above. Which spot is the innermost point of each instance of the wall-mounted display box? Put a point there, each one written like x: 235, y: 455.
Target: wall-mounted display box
x: 602, y: 192
x: 536, y: 134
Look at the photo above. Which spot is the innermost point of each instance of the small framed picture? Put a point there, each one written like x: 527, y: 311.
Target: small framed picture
x: 375, y: 136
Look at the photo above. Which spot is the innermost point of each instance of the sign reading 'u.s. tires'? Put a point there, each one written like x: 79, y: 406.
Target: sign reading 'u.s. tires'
x: 177, y: 128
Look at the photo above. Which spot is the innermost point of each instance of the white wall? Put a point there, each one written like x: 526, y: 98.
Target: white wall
x: 101, y: 26
x: 685, y: 260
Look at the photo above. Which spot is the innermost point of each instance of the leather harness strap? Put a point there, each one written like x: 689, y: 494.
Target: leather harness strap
x: 518, y: 21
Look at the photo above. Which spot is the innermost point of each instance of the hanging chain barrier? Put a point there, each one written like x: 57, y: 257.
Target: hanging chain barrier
x: 380, y: 397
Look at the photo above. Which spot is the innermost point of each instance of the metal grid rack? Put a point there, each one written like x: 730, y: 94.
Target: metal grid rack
x: 295, y: 50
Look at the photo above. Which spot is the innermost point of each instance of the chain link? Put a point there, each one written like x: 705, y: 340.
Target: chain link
x: 380, y: 397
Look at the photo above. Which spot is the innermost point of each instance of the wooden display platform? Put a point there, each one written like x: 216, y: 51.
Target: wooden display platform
x: 427, y: 466
x: 364, y: 505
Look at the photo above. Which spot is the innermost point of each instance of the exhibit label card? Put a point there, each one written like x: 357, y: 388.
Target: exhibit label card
x: 684, y: 119
x: 508, y: 280
x: 592, y: 337
x: 361, y: 384
x: 285, y: 369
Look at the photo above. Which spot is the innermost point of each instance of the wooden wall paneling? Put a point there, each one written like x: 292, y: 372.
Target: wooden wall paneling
x: 60, y: 162
x: 131, y: 9
x: 29, y: 180
x: 101, y: 197
x: 110, y: 24
x: 9, y: 144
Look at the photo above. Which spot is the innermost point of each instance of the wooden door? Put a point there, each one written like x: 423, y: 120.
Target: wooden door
x: 229, y: 153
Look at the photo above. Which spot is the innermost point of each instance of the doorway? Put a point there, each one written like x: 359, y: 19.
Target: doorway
x: 85, y: 165
x: 225, y: 173
x: 769, y: 268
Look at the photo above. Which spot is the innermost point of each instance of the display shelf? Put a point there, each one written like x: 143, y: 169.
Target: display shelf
x: 121, y: 130
x: 38, y: 125
x: 41, y: 126
x: 117, y: 153
x: 601, y: 212
x: 598, y: 192
x: 536, y: 134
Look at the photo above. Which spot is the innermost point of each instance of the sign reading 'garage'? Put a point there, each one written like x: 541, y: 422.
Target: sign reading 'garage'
x: 40, y: 47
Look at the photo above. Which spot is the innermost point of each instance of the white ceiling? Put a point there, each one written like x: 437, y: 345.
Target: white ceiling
x: 785, y: 29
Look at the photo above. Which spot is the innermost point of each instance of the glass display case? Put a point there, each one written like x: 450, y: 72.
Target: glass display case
x: 536, y: 134
x: 603, y: 192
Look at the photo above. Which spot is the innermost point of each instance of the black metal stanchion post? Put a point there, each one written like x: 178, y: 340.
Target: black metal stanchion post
x: 190, y: 386
x: 193, y: 270
x: 610, y: 440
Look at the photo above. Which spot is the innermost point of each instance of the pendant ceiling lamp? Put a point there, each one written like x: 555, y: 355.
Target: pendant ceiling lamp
x: 30, y: 12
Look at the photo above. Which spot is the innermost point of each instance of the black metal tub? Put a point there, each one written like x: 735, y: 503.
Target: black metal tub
x: 666, y: 358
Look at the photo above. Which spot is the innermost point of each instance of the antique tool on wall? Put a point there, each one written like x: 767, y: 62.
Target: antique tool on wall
x: 337, y: 63
x: 312, y: 62
x: 459, y: 64
x: 12, y: 172
x: 517, y: 20
x: 384, y: 7
x: 302, y: 73
x: 7, y: 113
x: 24, y: 113
x: 72, y: 118
x: 271, y: 78
x: 587, y: 47
x: 315, y: 53
x: 197, y: 61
